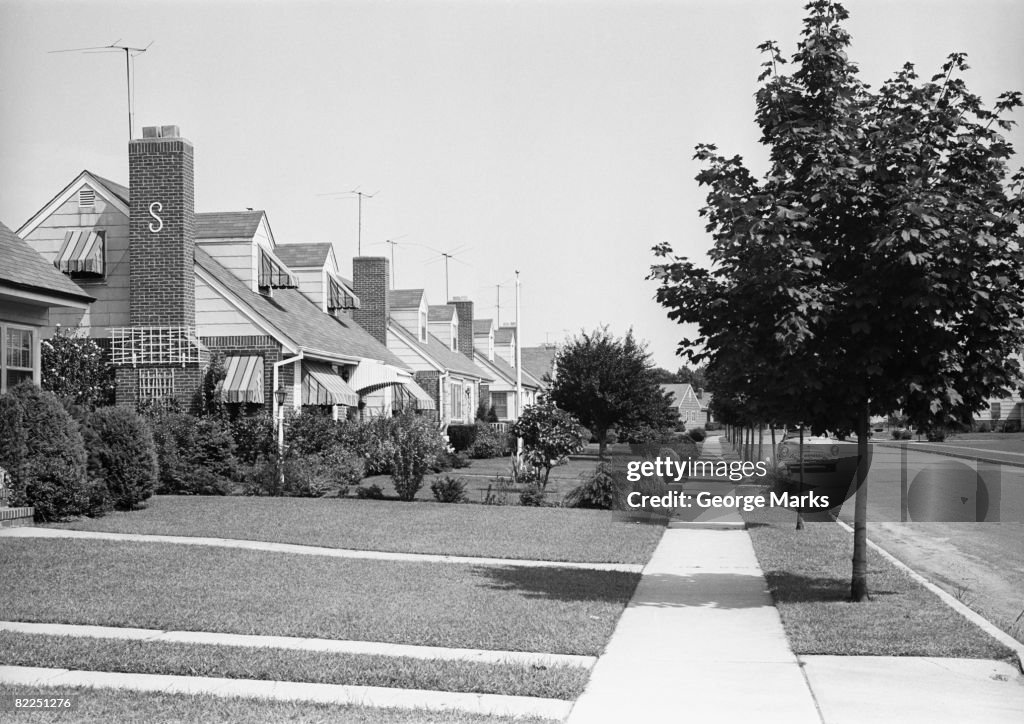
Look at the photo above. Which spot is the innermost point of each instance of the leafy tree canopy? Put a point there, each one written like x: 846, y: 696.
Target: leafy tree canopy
x: 607, y: 381
x: 878, y: 263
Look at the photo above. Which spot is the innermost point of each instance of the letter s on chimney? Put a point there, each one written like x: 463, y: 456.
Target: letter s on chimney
x: 159, y: 222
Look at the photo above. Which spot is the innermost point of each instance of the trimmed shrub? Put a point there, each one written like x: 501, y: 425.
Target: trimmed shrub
x: 532, y: 495
x: 311, y: 433
x: 416, y: 444
x: 598, y: 491
x: 42, y: 450
x: 489, y: 443
x: 697, y: 434
x: 371, y: 440
x: 984, y: 426
x: 195, y: 454
x: 449, y: 490
x: 370, y: 492
x: 255, y: 436
x: 461, y: 437
x: 1010, y: 426
x: 121, y: 454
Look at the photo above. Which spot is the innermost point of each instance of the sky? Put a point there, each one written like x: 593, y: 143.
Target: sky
x: 551, y: 138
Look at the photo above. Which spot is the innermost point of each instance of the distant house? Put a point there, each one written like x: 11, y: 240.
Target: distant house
x: 434, y: 341
x: 175, y: 289
x: 540, y: 361
x: 499, y: 359
x: 690, y: 404
x: 30, y: 289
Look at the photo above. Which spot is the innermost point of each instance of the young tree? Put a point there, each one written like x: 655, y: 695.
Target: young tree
x: 879, y: 261
x: 606, y: 381
x: 550, y: 436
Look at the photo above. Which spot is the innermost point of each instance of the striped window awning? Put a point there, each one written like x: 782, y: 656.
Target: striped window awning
x: 244, y: 380
x: 421, y: 399
x: 341, y: 295
x: 321, y: 385
x: 274, y: 274
x: 82, y: 252
x: 371, y: 375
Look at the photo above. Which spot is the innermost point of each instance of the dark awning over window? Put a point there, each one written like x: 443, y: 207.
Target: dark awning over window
x: 82, y: 252
x: 421, y: 399
x: 274, y: 274
x: 321, y: 385
x: 341, y: 295
x: 244, y: 380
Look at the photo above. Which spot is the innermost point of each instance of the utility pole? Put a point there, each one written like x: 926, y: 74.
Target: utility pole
x: 519, y: 364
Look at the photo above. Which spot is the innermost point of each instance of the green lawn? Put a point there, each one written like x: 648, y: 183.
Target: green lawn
x: 808, y: 573
x: 152, y: 585
x: 558, y: 534
x: 102, y: 706
x: 269, y: 664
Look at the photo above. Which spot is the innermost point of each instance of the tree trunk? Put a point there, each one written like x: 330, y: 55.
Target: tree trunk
x: 760, y: 441
x: 602, y: 443
x: 859, y: 583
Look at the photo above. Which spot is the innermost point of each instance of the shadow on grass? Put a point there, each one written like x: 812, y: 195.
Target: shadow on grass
x: 796, y: 588
x: 696, y: 590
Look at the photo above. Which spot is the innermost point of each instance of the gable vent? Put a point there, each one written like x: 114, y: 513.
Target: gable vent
x: 86, y: 198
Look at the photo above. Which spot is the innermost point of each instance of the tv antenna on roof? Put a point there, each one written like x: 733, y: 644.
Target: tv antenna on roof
x: 359, y: 194
x: 129, y: 64
x: 461, y: 249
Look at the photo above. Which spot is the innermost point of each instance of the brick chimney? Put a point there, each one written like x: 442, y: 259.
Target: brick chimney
x: 161, y: 229
x: 464, y: 307
x: 371, y: 279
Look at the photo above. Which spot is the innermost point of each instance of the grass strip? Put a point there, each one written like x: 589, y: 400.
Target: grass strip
x: 103, y: 706
x: 231, y: 662
x: 808, y: 573
x: 555, y: 534
x: 173, y: 587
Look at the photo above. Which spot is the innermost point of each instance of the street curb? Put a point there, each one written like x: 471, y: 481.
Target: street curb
x: 971, y: 615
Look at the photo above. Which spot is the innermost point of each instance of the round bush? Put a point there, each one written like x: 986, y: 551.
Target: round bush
x: 121, y: 453
x: 42, y: 450
x: 697, y: 434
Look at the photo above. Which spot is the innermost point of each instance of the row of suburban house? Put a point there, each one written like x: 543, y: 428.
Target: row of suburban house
x: 168, y: 291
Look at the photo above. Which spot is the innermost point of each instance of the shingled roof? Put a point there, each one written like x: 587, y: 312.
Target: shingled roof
x: 440, y: 312
x: 539, y: 361
x: 406, y: 298
x: 292, y: 313
x: 228, y: 224
x: 503, y: 335
x: 22, y: 267
x: 115, y: 188
x: 482, y: 326
x: 302, y: 256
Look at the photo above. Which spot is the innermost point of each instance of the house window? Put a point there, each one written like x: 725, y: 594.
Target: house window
x: 155, y: 384
x: 455, y: 337
x: 423, y: 326
x: 19, y: 356
x: 499, y: 401
x: 455, y: 391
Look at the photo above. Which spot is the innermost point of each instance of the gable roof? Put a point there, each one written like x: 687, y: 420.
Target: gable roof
x: 115, y: 193
x: 23, y: 267
x: 228, y: 224
x: 538, y: 361
x: 504, y: 335
x: 506, y: 371
x: 115, y: 188
x: 300, y: 256
x: 290, y: 311
x: 482, y: 326
x: 440, y: 313
x: 679, y: 392
x: 440, y: 354
x: 406, y: 298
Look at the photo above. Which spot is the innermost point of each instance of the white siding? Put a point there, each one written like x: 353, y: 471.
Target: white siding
x: 216, y: 317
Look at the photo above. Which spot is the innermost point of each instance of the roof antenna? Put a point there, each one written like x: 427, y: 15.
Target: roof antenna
x: 129, y: 63
x: 360, y: 194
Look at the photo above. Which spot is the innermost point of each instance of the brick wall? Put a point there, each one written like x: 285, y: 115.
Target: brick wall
x: 161, y: 252
x: 465, y: 309
x: 371, y: 279
x: 429, y: 381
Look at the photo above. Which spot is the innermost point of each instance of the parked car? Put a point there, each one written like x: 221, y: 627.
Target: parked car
x: 821, y: 452
x: 830, y: 465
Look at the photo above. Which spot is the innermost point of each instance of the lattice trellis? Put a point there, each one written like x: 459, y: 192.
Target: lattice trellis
x: 133, y: 346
